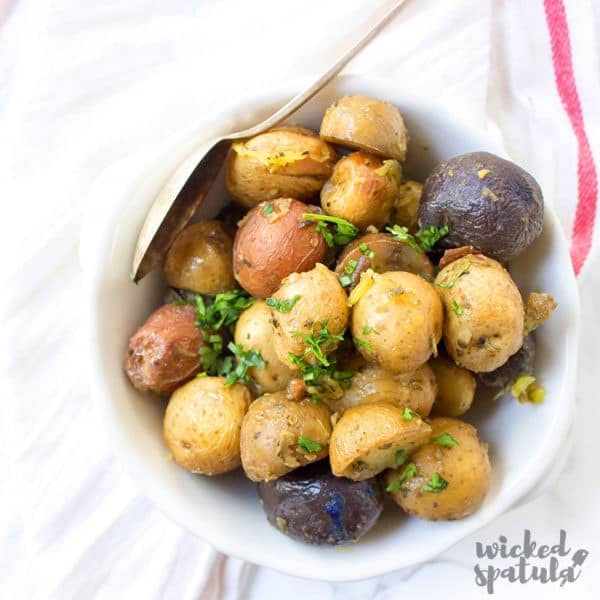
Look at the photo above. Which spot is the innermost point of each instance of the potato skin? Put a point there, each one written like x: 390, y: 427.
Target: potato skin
x: 389, y: 255
x: 252, y: 177
x: 254, y: 330
x: 312, y: 505
x: 164, y: 352
x: 322, y: 300
x: 405, y: 313
x: 405, y: 209
x: 271, y: 430
x: 268, y: 247
x: 366, y: 124
x: 490, y: 327
x: 367, y: 437
x: 357, y: 192
x: 370, y: 383
x: 455, y: 387
x: 466, y: 468
x: 486, y: 202
x: 200, y: 259
x: 202, y: 425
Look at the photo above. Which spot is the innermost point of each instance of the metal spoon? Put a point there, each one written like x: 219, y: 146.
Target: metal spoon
x: 187, y: 187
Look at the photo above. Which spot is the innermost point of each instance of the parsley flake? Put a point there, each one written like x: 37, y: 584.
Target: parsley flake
x: 409, y: 471
x: 245, y: 360
x: 463, y: 271
x: 430, y: 236
x: 267, y: 209
x: 456, y: 307
x: 364, y: 248
x: 362, y: 344
x: 344, y: 232
x: 310, y: 445
x: 283, y: 306
x: 408, y: 414
x: 400, y: 457
x: 436, y: 484
x: 367, y: 329
x: 445, y: 440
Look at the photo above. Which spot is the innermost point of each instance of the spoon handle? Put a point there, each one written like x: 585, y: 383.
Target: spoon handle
x: 303, y: 97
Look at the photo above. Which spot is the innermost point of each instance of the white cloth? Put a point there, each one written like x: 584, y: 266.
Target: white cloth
x: 84, y: 84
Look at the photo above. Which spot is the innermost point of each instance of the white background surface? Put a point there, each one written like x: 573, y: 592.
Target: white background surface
x: 84, y: 84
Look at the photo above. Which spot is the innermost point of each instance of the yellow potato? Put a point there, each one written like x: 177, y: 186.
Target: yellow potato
x: 405, y: 210
x: 371, y: 383
x: 397, y: 321
x: 202, y: 425
x: 318, y: 301
x: 449, y: 482
x: 277, y: 433
x: 200, y: 259
x: 285, y: 161
x: 484, y: 312
x: 455, y: 387
x: 366, y: 124
x: 370, y: 437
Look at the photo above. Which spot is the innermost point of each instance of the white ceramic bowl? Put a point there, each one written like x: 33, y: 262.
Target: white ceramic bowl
x: 525, y: 440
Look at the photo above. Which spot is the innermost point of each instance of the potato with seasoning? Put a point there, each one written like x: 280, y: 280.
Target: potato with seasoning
x: 280, y: 434
x: 368, y: 124
x: 287, y: 161
x: 396, y: 320
x: 382, y: 253
x: 405, y: 209
x: 164, y: 352
x: 455, y: 387
x: 310, y: 315
x: 200, y: 259
x: 372, y: 437
x: 312, y: 505
x: 272, y: 241
x: 254, y: 331
x: 445, y: 479
x: 484, y: 312
x: 362, y: 189
x: 370, y: 383
x: 202, y: 425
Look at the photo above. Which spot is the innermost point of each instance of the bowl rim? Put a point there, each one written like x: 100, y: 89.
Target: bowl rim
x: 94, y: 238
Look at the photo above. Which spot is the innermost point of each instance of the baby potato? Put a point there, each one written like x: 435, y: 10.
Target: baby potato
x: 362, y: 189
x: 202, y: 425
x: 316, y: 301
x: 382, y: 253
x: 455, y: 387
x: 254, y: 330
x: 397, y: 321
x: 405, y: 210
x: 372, y: 437
x: 443, y: 481
x: 282, y: 162
x: 366, y: 124
x: 274, y: 240
x: 371, y: 383
x: 484, y: 312
x: 164, y: 352
x: 279, y: 434
x: 200, y: 259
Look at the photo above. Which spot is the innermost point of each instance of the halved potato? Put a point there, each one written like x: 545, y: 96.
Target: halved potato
x: 372, y: 437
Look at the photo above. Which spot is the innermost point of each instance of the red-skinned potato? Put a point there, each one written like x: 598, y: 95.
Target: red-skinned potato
x: 362, y: 189
x: 273, y: 241
x: 164, y: 352
x: 286, y: 161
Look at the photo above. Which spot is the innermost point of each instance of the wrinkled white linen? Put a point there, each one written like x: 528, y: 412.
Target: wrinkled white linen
x: 84, y: 84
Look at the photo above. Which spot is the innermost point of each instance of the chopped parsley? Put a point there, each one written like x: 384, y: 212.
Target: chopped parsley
x: 349, y: 269
x: 409, y: 471
x: 224, y: 310
x: 400, y: 234
x: 463, y: 271
x: 408, y: 414
x: 310, y: 445
x: 245, y: 360
x: 367, y: 329
x: 445, y: 440
x: 362, y: 344
x: 364, y: 248
x: 320, y: 341
x: 400, y: 457
x: 344, y: 232
x: 283, y: 306
x: 456, y: 307
x: 430, y: 236
x: 267, y: 209
x: 436, y: 484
